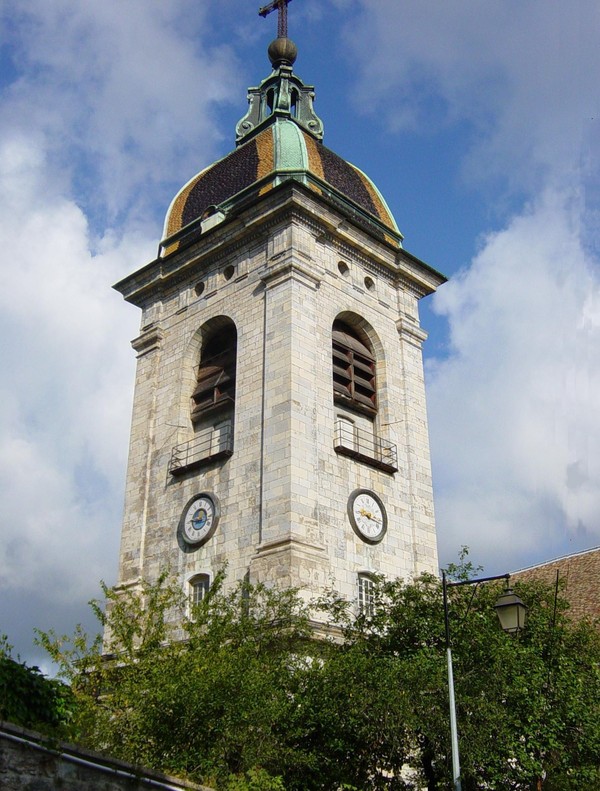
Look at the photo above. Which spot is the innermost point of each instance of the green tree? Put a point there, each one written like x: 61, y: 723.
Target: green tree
x: 30, y: 699
x: 241, y: 696
x: 528, y: 706
x: 203, y: 695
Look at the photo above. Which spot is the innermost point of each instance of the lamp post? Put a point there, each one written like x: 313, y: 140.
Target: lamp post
x: 512, y: 614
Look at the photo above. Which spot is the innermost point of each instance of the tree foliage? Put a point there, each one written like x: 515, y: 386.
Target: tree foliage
x: 528, y: 706
x: 28, y: 698
x: 239, y: 695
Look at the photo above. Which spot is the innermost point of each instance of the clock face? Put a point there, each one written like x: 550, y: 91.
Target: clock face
x: 199, y: 519
x: 367, y: 515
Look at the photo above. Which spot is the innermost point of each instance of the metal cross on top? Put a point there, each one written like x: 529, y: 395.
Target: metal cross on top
x: 281, y: 6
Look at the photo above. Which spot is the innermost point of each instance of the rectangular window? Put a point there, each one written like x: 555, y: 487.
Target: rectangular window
x: 215, y: 382
x: 199, y: 588
x: 366, y: 595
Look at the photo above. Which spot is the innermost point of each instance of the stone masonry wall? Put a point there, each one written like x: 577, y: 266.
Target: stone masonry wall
x: 32, y: 762
x: 284, y: 491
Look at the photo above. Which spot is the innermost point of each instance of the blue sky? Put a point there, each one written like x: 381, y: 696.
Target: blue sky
x: 478, y: 121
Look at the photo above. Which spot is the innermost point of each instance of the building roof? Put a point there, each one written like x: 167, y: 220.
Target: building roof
x: 580, y: 577
x: 278, y: 139
x: 281, y: 151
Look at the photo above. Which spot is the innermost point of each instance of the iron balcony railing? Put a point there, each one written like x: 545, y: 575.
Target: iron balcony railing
x: 349, y: 440
x: 204, y: 448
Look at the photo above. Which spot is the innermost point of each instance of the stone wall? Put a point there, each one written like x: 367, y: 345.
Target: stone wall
x: 282, y: 272
x: 32, y: 762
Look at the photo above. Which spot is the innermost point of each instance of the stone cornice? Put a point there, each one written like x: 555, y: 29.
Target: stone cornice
x: 290, y: 201
x: 351, y: 251
x: 411, y: 332
x: 287, y: 543
x: 289, y: 270
x: 150, y: 340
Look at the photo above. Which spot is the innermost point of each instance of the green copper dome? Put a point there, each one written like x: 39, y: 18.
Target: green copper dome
x: 278, y: 139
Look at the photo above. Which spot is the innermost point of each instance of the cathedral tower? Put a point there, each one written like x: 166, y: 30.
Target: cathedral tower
x: 279, y: 422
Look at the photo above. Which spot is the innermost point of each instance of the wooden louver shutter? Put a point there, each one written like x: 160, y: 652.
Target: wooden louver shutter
x: 353, y: 370
x: 215, y: 382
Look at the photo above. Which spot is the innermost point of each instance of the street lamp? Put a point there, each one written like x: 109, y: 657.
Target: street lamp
x: 512, y: 614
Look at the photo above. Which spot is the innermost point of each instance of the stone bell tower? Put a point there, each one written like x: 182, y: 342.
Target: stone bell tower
x: 279, y: 422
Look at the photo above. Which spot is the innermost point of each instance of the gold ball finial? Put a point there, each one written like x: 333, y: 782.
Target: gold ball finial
x: 282, y: 52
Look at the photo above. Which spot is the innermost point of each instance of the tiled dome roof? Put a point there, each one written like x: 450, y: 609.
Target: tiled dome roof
x: 278, y: 139
x: 281, y: 151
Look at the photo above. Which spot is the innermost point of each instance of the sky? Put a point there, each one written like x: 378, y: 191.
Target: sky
x: 479, y: 121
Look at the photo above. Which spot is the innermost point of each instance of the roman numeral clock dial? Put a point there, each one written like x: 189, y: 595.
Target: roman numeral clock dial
x: 367, y: 515
x: 199, y: 519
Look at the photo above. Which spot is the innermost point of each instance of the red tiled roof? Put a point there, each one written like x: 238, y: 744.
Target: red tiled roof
x: 580, y: 577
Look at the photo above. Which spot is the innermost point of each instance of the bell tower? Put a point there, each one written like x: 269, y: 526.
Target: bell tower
x: 279, y: 421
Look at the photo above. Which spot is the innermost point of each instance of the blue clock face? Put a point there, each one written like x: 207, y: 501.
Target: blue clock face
x: 199, y: 519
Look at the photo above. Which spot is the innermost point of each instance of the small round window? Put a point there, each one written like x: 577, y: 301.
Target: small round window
x: 369, y: 283
x: 199, y: 288
x: 343, y: 268
x: 228, y: 272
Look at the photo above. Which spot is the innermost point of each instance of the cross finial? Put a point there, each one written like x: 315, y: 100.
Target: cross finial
x: 281, y: 6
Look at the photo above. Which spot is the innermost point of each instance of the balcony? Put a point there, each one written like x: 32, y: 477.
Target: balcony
x: 364, y: 446
x: 205, y: 447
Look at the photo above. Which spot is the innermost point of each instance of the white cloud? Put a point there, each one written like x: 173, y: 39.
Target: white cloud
x: 65, y: 388
x: 514, y: 426
x: 123, y: 93
x: 522, y: 74
x: 514, y: 418
x: 105, y: 110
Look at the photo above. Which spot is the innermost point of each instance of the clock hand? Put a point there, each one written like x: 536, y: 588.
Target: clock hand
x: 369, y: 515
